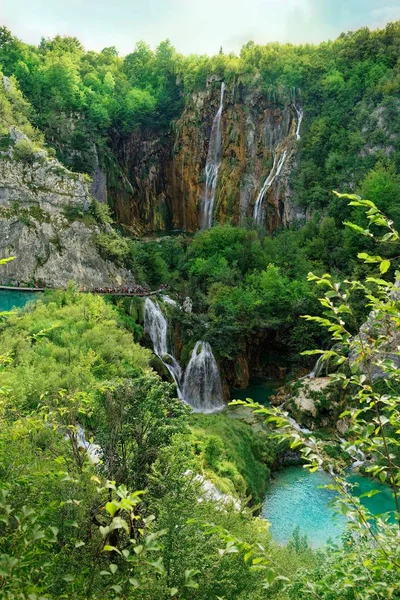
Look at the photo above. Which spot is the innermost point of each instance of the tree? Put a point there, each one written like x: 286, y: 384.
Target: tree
x: 369, y: 563
x: 135, y: 420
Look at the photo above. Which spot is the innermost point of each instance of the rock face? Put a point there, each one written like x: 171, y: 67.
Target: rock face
x: 45, y: 223
x: 158, y: 184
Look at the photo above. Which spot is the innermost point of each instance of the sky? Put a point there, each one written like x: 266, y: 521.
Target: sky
x: 198, y: 26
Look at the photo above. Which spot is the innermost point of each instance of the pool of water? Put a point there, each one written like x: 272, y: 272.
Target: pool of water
x: 259, y: 390
x: 295, y: 499
x: 10, y: 300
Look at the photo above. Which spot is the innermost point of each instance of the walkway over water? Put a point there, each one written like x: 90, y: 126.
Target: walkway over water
x: 131, y: 291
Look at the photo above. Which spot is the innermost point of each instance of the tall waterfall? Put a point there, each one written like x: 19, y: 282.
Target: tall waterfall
x: 155, y: 324
x: 202, y: 388
x: 212, y: 167
x: 272, y: 175
x: 300, y: 115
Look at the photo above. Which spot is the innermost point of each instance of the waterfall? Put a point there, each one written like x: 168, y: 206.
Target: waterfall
x: 202, y: 387
x: 317, y: 370
x: 272, y: 175
x: 212, y: 167
x: 94, y: 451
x: 300, y: 115
x: 155, y: 324
x: 169, y: 300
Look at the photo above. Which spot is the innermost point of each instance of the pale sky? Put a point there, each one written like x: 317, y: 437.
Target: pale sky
x: 199, y: 26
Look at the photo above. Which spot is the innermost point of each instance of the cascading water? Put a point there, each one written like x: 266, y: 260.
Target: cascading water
x: 318, y: 367
x: 202, y: 387
x: 212, y: 166
x: 272, y: 175
x: 155, y: 324
x: 300, y: 115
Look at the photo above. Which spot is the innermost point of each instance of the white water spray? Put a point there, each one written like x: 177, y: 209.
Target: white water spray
x: 155, y: 324
x: 212, y: 167
x: 300, y: 116
x: 202, y: 388
x: 272, y: 175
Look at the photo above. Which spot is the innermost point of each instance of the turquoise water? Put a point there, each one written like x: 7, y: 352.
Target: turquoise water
x: 295, y: 499
x: 10, y: 300
x: 259, y: 390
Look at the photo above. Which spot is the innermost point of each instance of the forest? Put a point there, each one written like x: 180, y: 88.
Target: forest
x: 111, y: 486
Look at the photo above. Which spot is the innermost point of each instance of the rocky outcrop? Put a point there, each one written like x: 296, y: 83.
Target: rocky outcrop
x: 158, y: 183
x: 45, y: 221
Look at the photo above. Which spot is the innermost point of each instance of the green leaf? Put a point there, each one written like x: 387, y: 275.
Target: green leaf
x: 384, y: 266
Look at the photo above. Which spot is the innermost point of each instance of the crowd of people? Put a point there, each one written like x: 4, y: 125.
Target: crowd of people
x: 134, y: 290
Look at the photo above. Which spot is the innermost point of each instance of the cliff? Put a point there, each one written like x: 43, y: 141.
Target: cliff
x: 158, y: 182
x: 47, y: 223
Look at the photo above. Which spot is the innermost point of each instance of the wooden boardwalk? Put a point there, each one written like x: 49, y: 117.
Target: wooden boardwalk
x: 139, y: 293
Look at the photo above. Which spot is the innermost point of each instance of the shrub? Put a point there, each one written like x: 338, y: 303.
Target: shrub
x: 112, y: 247
x: 25, y: 151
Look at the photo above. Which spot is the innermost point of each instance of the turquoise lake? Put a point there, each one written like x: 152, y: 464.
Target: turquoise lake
x: 10, y: 300
x: 295, y: 499
x: 259, y: 390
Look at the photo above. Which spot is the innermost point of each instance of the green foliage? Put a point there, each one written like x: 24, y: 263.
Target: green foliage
x: 25, y: 151
x: 234, y: 455
x: 369, y: 561
x: 65, y: 530
x: 101, y: 213
x: 15, y: 111
x: 69, y: 342
x: 112, y: 246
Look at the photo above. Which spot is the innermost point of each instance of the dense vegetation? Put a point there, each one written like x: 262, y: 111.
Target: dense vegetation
x: 69, y: 369
x: 69, y: 525
x: 242, y: 283
x: 131, y: 525
x: 348, y: 88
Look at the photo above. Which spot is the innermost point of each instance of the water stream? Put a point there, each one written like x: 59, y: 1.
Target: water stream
x: 300, y: 115
x: 278, y: 163
x: 213, y: 163
x: 201, y: 386
x: 155, y: 324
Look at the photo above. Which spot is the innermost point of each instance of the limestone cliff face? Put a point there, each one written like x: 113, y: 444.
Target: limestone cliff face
x: 45, y: 223
x: 158, y: 184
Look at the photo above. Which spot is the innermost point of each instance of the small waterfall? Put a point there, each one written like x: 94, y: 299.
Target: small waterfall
x: 300, y: 115
x: 169, y: 300
x: 155, y: 324
x: 317, y: 370
x: 272, y: 175
x: 94, y: 451
x: 212, y: 167
x: 202, y: 387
